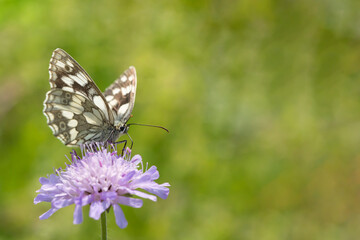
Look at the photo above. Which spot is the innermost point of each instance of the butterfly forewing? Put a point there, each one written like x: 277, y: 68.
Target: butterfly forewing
x: 75, y: 108
x: 121, y: 95
x: 66, y: 74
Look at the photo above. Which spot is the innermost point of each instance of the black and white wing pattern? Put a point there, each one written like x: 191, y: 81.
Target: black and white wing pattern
x: 76, y: 110
x: 121, y: 95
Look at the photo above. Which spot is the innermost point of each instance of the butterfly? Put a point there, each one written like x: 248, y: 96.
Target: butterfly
x: 78, y: 112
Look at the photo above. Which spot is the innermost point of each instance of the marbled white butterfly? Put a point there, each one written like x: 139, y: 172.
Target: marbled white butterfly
x: 76, y: 110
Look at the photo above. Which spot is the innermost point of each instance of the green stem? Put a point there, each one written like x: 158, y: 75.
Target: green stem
x: 103, y: 226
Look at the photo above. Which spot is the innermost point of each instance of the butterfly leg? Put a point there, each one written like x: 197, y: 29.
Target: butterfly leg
x: 132, y: 142
x: 123, y: 141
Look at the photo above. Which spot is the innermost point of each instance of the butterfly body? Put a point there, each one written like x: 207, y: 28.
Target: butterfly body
x: 78, y: 112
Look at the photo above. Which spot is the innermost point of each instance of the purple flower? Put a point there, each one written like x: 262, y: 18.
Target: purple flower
x: 101, y: 179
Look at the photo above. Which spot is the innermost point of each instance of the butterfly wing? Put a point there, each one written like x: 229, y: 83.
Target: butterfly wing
x: 75, y: 119
x: 121, y: 95
x: 75, y: 108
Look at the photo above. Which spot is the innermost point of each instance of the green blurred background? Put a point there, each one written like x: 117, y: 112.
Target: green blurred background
x: 262, y: 99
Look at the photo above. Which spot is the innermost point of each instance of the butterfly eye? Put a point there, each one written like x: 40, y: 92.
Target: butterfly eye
x: 122, y: 128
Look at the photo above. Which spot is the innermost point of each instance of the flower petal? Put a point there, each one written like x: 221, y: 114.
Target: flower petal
x: 119, y: 216
x: 62, y: 202
x: 128, y: 176
x: 159, y: 190
x: 150, y: 175
x: 84, y: 200
x: 96, y: 209
x: 41, y: 197
x: 144, y: 195
x: 46, y: 215
x: 136, y: 159
x: 44, y: 180
x: 108, y: 195
x: 53, y: 179
x: 78, y: 215
x: 153, y: 172
x: 132, y: 202
x: 49, y: 188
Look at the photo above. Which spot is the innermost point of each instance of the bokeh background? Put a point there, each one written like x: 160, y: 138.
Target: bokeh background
x: 262, y: 99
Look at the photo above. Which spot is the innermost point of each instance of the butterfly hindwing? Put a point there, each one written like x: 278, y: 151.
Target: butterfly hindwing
x: 74, y: 119
x: 121, y: 95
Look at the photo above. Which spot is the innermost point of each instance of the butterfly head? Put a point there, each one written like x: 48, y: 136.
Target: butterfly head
x: 123, y: 129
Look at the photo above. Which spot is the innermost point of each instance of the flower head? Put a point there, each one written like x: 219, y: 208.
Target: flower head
x: 101, y: 179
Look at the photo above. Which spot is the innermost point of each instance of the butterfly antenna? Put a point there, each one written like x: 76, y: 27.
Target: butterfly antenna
x: 147, y: 125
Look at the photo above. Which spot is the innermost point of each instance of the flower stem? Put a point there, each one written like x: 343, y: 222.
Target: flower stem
x: 103, y: 226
